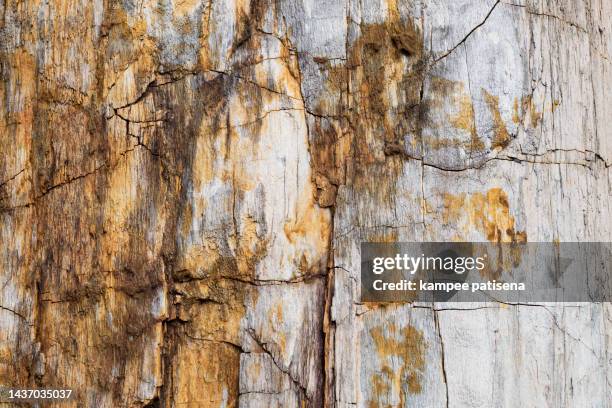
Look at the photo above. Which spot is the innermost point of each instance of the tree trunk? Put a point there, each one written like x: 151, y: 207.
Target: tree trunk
x: 184, y: 186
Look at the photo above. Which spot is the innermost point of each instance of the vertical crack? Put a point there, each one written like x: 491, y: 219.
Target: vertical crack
x: 444, y: 376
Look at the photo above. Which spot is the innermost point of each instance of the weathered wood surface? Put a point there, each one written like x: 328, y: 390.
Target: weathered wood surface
x: 184, y: 186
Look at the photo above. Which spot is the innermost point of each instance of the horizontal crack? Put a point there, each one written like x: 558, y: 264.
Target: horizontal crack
x: 534, y: 13
x: 524, y: 158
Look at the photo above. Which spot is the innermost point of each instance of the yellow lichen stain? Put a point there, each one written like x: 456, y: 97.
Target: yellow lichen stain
x: 139, y: 28
x: 555, y: 105
x: 527, y: 110
x: 206, y: 374
x: 516, y: 117
x: 488, y: 212
x: 464, y: 118
x: 451, y: 96
x: 276, y: 313
x: 501, y: 137
x: 414, y: 385
x: 183, y: 7
x: 379, y: 386
x: 254, y: 369
x: 535, y: 117
x: 311, y: 225
x: 250, y: 245
x: 199, y: 260
x: 275, y: 320
x: 387, y: 235
x: 406, y: 346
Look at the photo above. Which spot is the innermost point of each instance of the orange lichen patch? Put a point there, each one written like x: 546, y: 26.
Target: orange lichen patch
x: 183, y: 7
x: 379, y: 386
x: 311, y: 222
x: 501, y: 137
x: 414, y: 385
x: 309, y: 237
x: 286, y: 73
x: 126, y: 24
x: 275, y: 320
x: 196, y: 261
x: 254, y: 368
x: 488, y: 212
x: 461, y: 101
x: 393, y: 344
x: 436, y: 143
x: 275, y: 314
x: 139, y: 28
x: 529, y: 107
x: 206, y: 374
x: 464, y: 118
x: 452, y: 97
x: 387, y: 235
x: 250, y: 245
x: 516, y: 117
x: 426, y: 206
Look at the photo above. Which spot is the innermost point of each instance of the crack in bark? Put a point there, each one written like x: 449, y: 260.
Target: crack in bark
x: 534, y: 13
x: 70, y: 180
x: 140, y: 97
x: 259, y: 118
x: 235, y: 75
x: 528, y: 158
x: 468, y: 34
x: 263, y: 346
x: 444, y: 376
x: 2, y: 184
x: 275, y: 282
x: 234, y: 346
x: 16, y: 314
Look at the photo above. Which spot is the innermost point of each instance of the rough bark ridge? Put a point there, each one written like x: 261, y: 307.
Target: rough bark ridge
x: 184, y: 185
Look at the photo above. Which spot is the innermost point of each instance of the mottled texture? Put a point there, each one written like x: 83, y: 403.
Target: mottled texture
x: 184, y: 185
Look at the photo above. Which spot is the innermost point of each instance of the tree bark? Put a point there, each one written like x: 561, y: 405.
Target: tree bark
x: 184, y: 186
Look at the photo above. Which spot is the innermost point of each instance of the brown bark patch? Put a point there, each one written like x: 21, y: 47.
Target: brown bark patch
x: 378, y: 90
